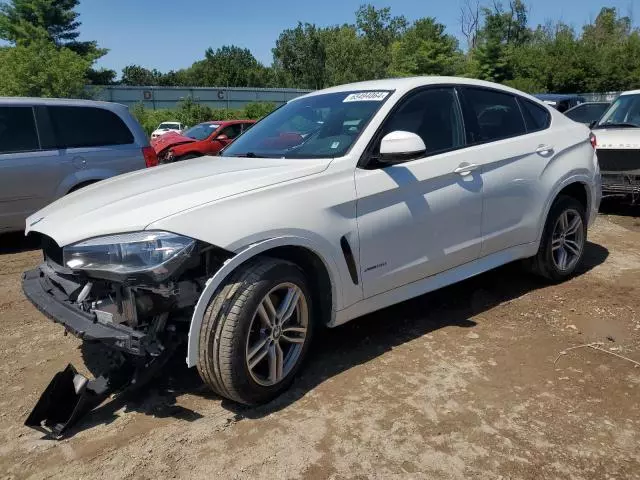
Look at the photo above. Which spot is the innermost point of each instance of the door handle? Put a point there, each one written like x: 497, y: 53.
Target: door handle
x: 544, y: 149
x: 466, y: 168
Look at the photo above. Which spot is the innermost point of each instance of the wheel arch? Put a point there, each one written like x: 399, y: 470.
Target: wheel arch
x: 80, y: 185
x: 298, y: 250
x: 576, y: 186
x: 81, y: 178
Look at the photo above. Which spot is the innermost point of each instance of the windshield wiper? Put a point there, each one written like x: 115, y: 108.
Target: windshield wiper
x: 618, y: 125
x: 249, y: 155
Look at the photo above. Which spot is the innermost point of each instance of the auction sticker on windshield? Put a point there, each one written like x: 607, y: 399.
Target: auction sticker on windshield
x: 366, y: 97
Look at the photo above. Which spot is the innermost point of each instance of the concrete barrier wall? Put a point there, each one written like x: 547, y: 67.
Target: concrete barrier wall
x: 214, y: 97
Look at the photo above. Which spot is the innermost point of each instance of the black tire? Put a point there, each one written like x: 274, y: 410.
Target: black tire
x: 543, y: 264
x: 227, y: 323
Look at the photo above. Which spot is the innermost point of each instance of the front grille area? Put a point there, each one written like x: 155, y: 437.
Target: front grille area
x: 620, y: 184
x: 618, y: 160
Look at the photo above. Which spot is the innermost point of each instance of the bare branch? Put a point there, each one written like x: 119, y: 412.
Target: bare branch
x: 470, y: 21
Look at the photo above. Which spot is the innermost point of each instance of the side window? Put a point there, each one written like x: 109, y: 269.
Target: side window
x: 246, y: 126
x: 491, y: 115
x: 88, y: 127
x: 433, y: 114
x: 536, y: 117
x: 232, y: 131
x: 17, y: 130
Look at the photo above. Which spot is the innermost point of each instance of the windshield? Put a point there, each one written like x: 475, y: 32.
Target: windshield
x: 169, y: 126
x: 202, y: 131
x: 587, y: 112
x: 320, y: 126
x: 625, y: 112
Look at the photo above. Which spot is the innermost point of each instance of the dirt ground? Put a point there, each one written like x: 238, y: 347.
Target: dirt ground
x: 460, y: 383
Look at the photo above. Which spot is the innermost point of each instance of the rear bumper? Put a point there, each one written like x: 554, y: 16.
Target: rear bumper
x: 55, y: 304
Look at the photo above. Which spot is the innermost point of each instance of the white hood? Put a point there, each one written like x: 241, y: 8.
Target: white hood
x: 618, y: 138
x: 132, y: 201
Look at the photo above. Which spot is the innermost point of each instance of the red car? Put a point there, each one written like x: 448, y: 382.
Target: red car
x: 206, y: 138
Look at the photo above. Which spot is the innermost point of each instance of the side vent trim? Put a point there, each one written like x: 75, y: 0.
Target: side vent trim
x: 348, y: 257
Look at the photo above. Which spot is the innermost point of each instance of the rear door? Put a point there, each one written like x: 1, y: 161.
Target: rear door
x: 28, y: 173
x: 95, y: 143
x: 513, y: 144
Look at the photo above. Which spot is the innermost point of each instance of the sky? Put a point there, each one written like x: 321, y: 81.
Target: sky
x: 172, y: 34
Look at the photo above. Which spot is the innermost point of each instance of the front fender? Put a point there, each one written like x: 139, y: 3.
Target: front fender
x: 230, y: 265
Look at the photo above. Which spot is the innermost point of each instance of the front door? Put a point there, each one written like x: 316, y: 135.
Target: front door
x: 423, y: 216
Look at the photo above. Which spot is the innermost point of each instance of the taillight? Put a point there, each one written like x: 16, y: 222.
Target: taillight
x: 594, y: 141
x: 150, y: 157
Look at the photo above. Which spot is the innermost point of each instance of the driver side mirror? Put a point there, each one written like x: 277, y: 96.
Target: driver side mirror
x: 400, y: 146
x: 593, y: 124
x: 222, y: 136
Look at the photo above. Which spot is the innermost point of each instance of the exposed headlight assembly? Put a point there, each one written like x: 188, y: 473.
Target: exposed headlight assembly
x: 152, y: 254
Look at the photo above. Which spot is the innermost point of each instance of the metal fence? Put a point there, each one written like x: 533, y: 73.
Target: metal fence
x: 214, y: 97
x: 225, y: 97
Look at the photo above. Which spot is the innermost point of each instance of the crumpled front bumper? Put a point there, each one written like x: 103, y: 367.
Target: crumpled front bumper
x: 55, y: 304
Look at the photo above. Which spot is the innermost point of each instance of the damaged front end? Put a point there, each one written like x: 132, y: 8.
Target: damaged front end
x: 133, y: 292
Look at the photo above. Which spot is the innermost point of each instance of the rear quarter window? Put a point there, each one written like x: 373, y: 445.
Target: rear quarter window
x: 88, y: 127
x: 491, y: 115
x: 536, y: 117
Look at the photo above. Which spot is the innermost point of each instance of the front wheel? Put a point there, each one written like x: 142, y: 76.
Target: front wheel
x: 563, y: 241
x: 256, y: 332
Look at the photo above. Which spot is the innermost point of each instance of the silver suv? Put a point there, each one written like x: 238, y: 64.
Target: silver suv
x: 51, y: 147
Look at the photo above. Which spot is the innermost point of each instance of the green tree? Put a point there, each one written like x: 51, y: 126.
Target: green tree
x: 25, y: 21
x: 378, y: 26
x: 301, y: 52
x: 502, y: 33
x: 425, y: 49
x: 611, y: 46
x: 379, y: 30
x: 39, y: 69
x: 347, y: 56
x: 136, y: 75
x: 103, y: 76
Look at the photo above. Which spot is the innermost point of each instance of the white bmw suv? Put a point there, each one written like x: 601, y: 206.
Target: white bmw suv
x: 341, y: 202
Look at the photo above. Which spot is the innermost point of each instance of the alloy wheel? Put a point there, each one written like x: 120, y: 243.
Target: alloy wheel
x: 277, y: 334
x: 567, y: 241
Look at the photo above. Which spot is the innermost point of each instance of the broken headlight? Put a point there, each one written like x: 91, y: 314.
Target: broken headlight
x: 153, y: 253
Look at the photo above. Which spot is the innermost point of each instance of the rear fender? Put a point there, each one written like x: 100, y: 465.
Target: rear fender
x: 582, y: 177
x: 230, y: 265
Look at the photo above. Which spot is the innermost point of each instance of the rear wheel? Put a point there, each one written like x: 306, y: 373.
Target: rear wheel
x: 563, y: 240
x: 256, y: 332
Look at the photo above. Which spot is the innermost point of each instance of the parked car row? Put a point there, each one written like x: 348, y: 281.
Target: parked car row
x: 166, y: 127
x: 339, y: 203
x: 206, y: 138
